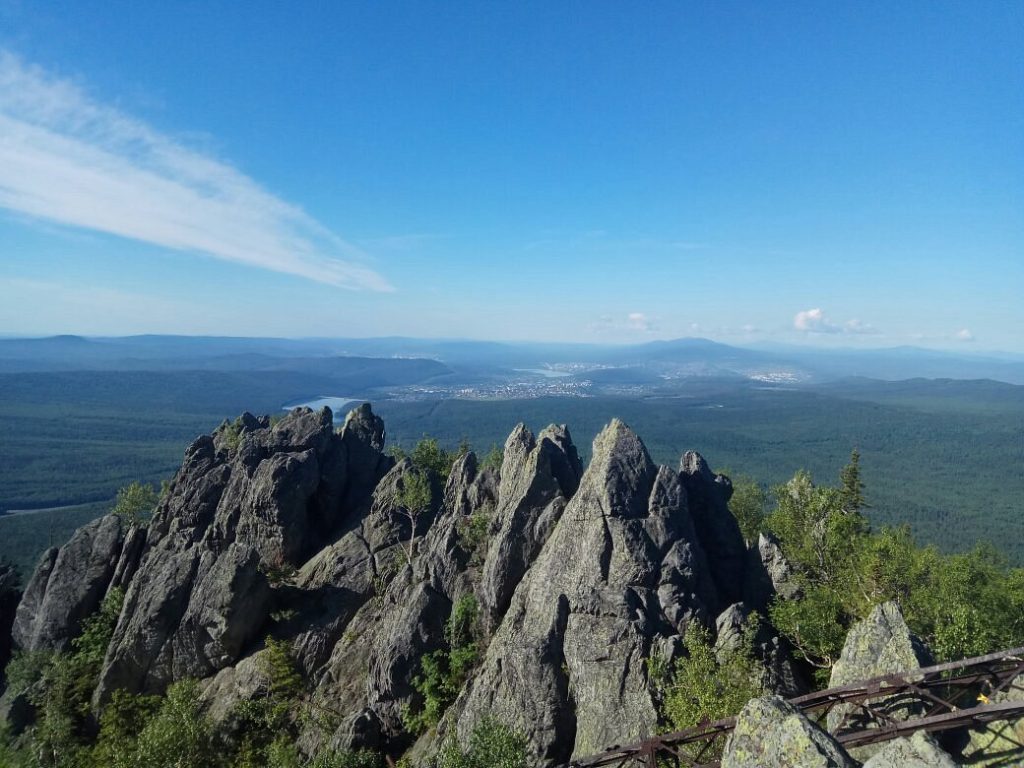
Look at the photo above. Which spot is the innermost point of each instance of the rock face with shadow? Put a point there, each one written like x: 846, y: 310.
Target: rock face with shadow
x: 10, y: 596
x: 622, y: 570
x: 571, y: 579
x: 251, y: 503
x: 68, y: 585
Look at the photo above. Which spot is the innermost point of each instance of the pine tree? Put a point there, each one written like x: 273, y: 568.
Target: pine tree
x: 852, y: 488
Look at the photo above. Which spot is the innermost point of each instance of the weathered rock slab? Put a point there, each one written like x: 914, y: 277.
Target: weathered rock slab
x: 771, y: 733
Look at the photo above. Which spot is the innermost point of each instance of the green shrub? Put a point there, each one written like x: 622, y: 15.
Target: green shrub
x: 178, y: 735
x: 443, y: 672
x: 414, y: 499
x: 231, y: 434
x: 429, y: 456
x: 961, y: 605
x: 702, y: 688
x: 491, y: 745
x: 135, y: 503
x: 120, y: 724
x: 749, y: 505
x: 474, y: 533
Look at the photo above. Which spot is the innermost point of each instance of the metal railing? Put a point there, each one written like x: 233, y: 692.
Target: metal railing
x: 938, y: 698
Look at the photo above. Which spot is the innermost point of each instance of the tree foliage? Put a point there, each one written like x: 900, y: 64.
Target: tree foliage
x: 704, y: 688
x: 135, y: 503
x: 491, y: 745
x: 961, y: 605
x: 443, y: 672
x: 414, y: 499
x: 749, y: 505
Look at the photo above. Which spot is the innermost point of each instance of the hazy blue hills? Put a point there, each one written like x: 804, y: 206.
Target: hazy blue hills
x: 679, y: 357
x: 84, y: 416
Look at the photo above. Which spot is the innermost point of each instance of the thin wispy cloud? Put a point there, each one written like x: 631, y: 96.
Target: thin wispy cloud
x: 68, y: 159
x: 633, y: 323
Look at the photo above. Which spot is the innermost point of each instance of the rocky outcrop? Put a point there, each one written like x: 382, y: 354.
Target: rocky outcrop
x: 249, y: 505
x: 719, y: 533
x: 538, y: 477
x: 768, y: 574
x: 917, y: 751
x: 781, y: 673
x: 68, y: 585
x: 879, y: 645
x: 771, y: 733
x: 618, y: 574
x: 298, y: 532
x: 10, y: 594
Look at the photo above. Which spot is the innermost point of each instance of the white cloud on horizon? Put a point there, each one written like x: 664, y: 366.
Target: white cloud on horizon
x: 67, y: 159
x: 964, y: 334
x: 815, y: 321
x: 638, y: 322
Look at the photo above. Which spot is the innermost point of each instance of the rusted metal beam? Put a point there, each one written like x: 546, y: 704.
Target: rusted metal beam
x: 939, y: 688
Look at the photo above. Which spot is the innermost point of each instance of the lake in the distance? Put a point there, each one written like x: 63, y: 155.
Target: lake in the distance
x: 340, y: 406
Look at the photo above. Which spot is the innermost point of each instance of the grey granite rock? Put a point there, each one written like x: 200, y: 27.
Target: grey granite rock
x: 771, y: 733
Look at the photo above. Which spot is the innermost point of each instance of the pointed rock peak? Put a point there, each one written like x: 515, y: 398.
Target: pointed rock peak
x: 692, y: 463
x: 878, y: 645
x: 881, y: 644
x: 365, y: 426
x: 556, y: 433
x: 772, y: 733
x: 618, y: 443
x: 250, y: 423
x: 300, y: 429
x: 621, y: 471
x: 519, y: 443
x: 566, y: 465
x: 518, y: 447
x: 463, y: 472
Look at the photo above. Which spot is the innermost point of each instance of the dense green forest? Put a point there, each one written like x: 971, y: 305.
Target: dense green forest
x: 942, y: 456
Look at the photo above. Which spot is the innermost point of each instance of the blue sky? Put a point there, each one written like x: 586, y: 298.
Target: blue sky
x: 820, y: 173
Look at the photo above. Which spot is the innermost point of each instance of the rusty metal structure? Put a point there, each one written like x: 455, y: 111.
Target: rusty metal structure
x: 957, y: 694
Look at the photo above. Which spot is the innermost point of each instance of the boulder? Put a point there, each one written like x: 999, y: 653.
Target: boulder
x: 781, y: 673
x: 67, y: 586
x: 881, y: 644
x: 917, y: 751
x: 771, y: 733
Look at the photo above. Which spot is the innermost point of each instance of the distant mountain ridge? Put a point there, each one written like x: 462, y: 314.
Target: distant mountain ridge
x: 674, y: 358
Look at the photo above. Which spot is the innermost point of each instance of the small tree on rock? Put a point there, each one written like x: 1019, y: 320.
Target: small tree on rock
x: 135, y: 503
x: 414, y: 499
